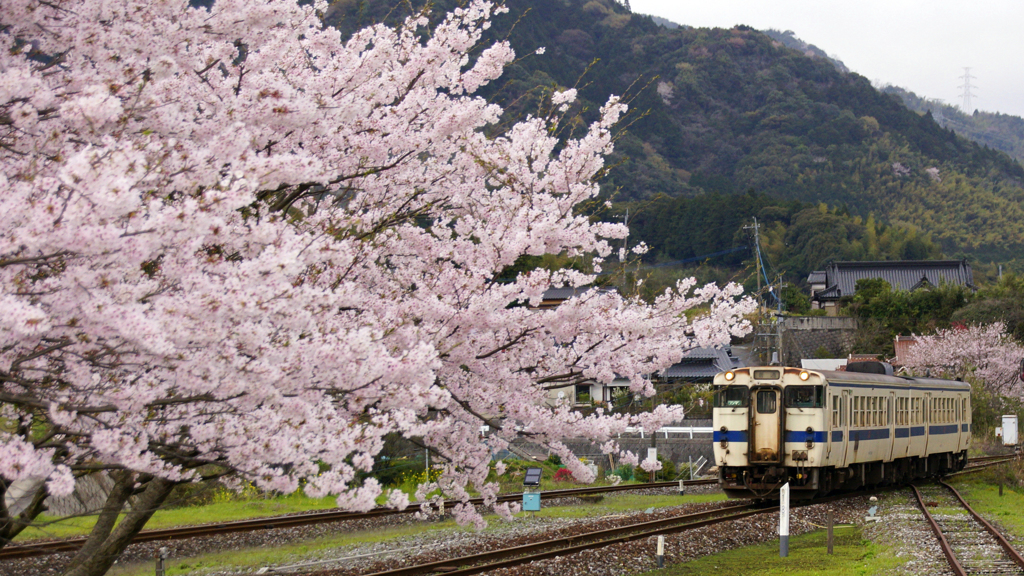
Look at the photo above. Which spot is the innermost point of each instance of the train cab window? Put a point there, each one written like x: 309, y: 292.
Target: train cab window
x: 766, y: 403
x: 731, y: 397
x: 804, y: 397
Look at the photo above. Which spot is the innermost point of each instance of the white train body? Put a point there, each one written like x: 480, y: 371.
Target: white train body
x: 822, y: 430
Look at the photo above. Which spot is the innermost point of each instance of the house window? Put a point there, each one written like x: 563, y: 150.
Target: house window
x: 583, y: 394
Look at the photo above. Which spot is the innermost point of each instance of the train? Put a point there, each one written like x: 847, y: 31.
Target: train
x: 827, y: 431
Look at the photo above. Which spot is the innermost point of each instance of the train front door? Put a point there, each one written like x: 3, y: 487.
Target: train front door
x: 765, y: 426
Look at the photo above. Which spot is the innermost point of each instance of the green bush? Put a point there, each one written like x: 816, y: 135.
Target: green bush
x: 624, y: 471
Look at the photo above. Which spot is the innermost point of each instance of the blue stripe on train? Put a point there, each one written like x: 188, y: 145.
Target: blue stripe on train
x: 804, y: 436
x: 837, y: 435
x: 876, y: 434
x: 731, y: 436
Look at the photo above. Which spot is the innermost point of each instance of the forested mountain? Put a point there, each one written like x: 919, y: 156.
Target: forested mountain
x: 1000, y: 131
x: 731, y: 111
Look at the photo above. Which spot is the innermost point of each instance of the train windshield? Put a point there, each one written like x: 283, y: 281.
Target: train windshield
x: 804, y: 396
x: 731, y: 397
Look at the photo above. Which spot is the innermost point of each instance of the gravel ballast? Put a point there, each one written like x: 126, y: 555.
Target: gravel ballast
x: 902, y: 527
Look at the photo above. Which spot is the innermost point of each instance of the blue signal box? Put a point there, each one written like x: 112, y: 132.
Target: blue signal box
x: 531, y: 501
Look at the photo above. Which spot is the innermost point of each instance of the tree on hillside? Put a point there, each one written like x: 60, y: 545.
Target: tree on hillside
x: 983, y: 354
x: 236, y: 247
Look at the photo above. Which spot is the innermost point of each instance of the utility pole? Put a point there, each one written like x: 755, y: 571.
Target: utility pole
x: 966, y: 87
x: 757, y: 256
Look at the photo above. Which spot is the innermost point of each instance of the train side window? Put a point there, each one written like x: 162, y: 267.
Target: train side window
x: 802, y: 397
x: 766, y: 402
x: 835, y: 411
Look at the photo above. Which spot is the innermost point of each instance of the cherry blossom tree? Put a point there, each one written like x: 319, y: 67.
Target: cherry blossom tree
x: 985, y: 354
x: 235, y: 246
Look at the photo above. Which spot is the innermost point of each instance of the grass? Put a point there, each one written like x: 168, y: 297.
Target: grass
x: 228, y: 508
x: 1002, y: 510
x: 224, y: 511
x: 328, y: 547
x: 852, y: 556
x: 298, y: 552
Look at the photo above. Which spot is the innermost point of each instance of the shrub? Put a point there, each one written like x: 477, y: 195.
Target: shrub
x: 564, y: 475
x: 624, y: 471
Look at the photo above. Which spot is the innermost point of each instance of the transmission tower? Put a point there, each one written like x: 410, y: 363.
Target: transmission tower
x: 966, y: 87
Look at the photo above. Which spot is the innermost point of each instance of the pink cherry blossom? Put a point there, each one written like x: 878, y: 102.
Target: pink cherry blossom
x: 234, y: 241
x: 983, y: 354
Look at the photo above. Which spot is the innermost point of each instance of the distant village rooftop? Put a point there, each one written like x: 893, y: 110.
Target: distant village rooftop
x: 839, y: 279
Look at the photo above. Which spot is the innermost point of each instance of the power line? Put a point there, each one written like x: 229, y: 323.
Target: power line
x: 696, y: 258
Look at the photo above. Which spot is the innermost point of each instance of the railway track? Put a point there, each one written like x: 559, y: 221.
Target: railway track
x: 970, y: 543
x: 518, y: 555
x: 977, y: 464
x: 72, y: 544
x: 304, y: 519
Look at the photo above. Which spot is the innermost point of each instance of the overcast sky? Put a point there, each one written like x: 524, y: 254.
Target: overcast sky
x: 920, y: 45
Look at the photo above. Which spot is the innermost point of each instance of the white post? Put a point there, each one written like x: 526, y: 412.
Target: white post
x: 661, y: 551
x: 784, y: 521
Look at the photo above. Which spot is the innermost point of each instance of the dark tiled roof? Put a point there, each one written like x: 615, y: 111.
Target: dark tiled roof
x: 565, y: 293
x: 816, y: 277
x: 554, y: 296
x: 701, y: 363
x: 842, y: 277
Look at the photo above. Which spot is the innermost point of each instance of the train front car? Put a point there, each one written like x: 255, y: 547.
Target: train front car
x: 769, y: 429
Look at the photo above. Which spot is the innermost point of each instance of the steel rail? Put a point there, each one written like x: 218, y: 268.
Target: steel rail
x: 981, y: 465
x: 577, y: 543
x: 1003, y: 542
x: 947, y: 550
x: 570, y: 544
x: 72, y: 544
x: 271, y: 522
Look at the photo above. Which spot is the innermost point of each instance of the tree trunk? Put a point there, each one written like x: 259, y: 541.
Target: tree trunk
x: 107, y: 541
x: 11, y: 526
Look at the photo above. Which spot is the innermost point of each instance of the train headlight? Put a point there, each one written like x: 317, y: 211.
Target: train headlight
x: 724, y: 439
x: 804, y: 375
x: 730, y: 375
